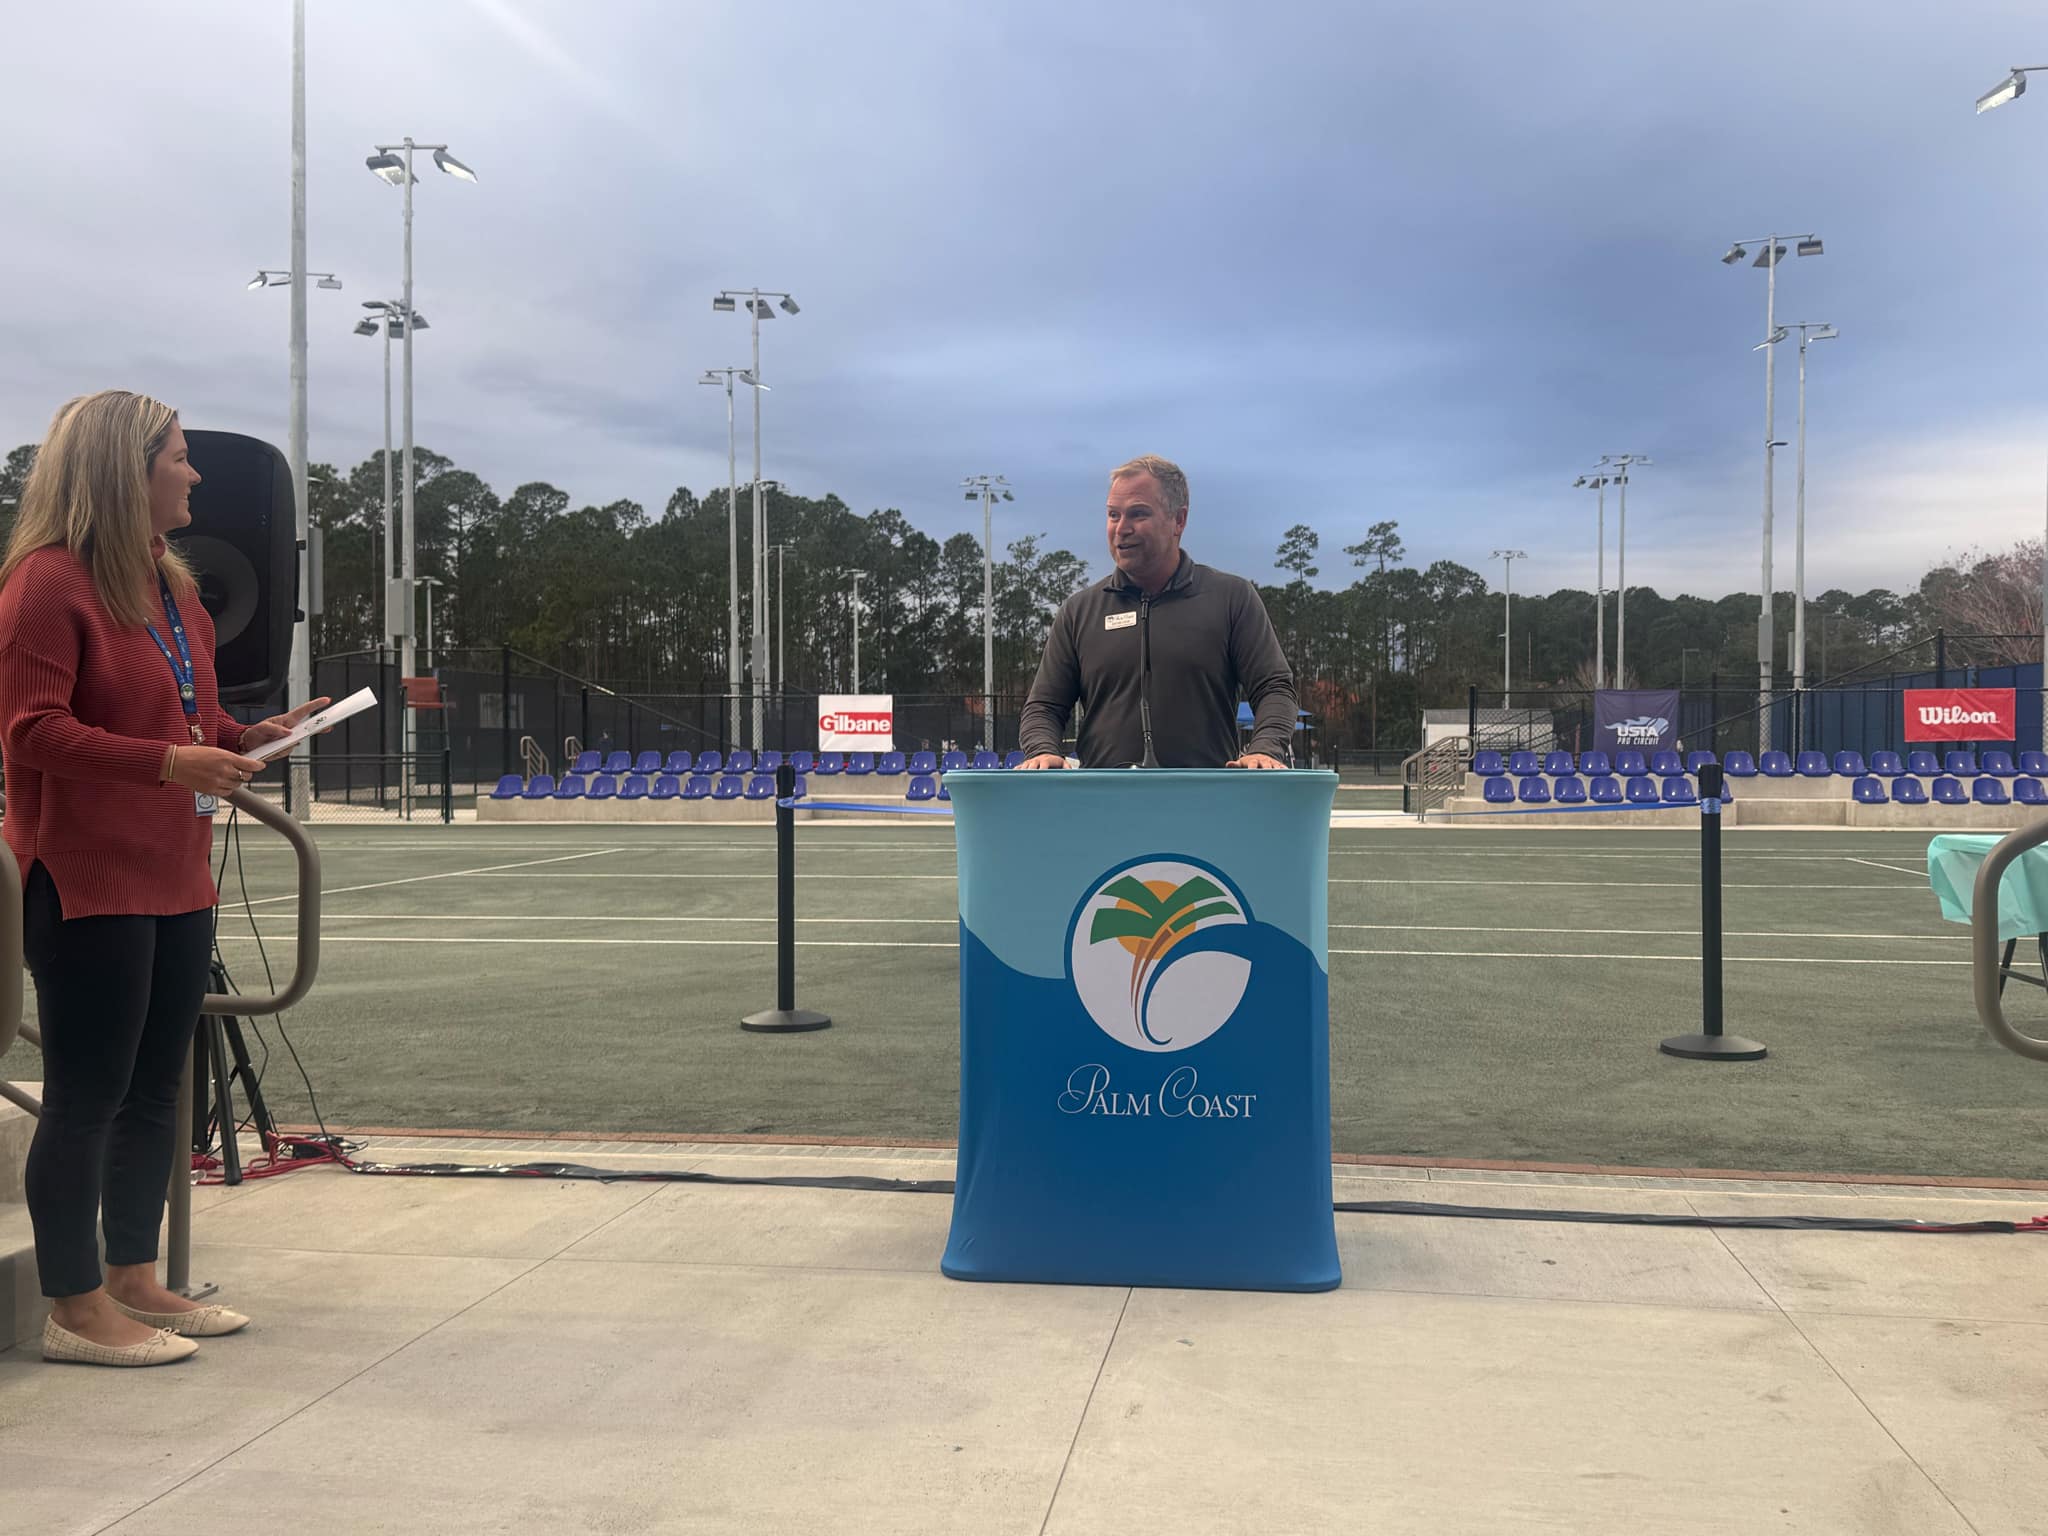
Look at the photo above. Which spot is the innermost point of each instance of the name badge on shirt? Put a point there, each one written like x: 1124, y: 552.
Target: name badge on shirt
x: 1120, y: 620
x: 204, y: 805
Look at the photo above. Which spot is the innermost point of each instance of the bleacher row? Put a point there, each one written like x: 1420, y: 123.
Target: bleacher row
x: 1666, y: 778
x: 743, y: 775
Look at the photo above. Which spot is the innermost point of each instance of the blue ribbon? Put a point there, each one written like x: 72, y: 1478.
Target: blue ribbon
x: 1576, y: 810
x: 869, y: 806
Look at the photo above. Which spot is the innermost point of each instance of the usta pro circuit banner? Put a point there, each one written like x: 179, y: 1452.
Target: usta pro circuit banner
x: 1961, y: 714
x: 857, y: 722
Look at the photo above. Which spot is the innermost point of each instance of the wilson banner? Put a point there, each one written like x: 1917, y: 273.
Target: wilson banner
x: 1961, y: 714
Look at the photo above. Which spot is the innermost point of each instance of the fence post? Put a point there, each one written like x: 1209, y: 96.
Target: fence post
x: 584, y: 734
x: 504, y: 713
x: 447, y: 788
x: 1472, y: 714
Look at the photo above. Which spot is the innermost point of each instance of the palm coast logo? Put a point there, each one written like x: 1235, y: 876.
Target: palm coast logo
x: 1144, y: 957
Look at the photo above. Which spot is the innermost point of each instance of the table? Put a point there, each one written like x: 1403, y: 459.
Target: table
x: 1953, y: 860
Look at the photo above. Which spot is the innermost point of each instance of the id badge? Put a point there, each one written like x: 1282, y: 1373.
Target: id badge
x: 204, y: 805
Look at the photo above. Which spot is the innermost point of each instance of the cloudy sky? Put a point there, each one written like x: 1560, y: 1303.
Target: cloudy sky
x: 1345, y: 261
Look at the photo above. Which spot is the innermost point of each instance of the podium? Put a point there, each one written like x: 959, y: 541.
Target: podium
x: 1144, y: 1029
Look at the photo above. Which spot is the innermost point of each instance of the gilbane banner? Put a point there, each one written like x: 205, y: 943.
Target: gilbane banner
x: 857, y: 722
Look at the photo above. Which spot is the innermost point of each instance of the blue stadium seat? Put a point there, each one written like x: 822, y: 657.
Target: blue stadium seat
x: 1016, y: 759
x: 2034, y: 763
x: 678, y: 763
x: 889, y: 765
x: 944, y: 793
x: 1908, y: 791
x: 1557, y: 763
x: 1591, y: 763
x: 1948, y: 791
x: 1727, y: 786
x: 1867, y: 791
x: 1568, y: 789
x: 761, y: 787
x: 1695, y: 761
x: 1535, y: 791
x: 1849, y: 765
x: 1643, y: 791
x: 1497, y: 790
x: 709, y: 763
x: 586, y: 762
x: 1487, y: 764
x: 698, y: 787
x: 1922, y: 764
x: 2029, y: 792
x: 802, y: 762
x: 799, y: 787
x: 1666, y: 763
x: 1630, y: 765
x: 741, y: 761
x: 984, y: 761
x: 510, y: 786
x: 1963, y: 764
x: 542, y: 786
x: 1605, y: 789
x: 1522, y: 764
x: 1815, y: 765
x: 1886, y: 765
x: 730, y: 786
x: 1999, y: 765
x: 951, y: 761
x: 604, y: 787
x: 1739, y: 765
x: 1774, y: 765
x: 925, y: 763
x: 647, y: 762
x: 616, y: 764
x: 667, y: 786
x: 768, y: 762
x: 1678, y: 790
x: 635, y: 787
x: 571, y: 787
x: 859, y: 763
x: 830, y: 763
x: 1990, y: 792
x: 922, y: 787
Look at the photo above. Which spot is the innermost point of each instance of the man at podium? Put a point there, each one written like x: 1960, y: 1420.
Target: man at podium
x: 1157, y: 651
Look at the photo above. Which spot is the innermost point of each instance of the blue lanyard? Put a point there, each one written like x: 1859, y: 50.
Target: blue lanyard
x: 181, y: 661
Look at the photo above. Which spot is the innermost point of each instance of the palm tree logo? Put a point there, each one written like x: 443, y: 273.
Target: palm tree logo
x: 1149, y: 918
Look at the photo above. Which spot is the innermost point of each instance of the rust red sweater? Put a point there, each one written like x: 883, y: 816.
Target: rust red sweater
x: 87, y: 707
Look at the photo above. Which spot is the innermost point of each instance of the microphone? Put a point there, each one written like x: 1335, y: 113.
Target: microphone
x: 1145, y: 678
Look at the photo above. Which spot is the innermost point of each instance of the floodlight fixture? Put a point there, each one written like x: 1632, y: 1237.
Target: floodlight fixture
x: 1735, y: 254
x: 1777, y: 335
x: 761, y: 308
x: 258, y: 281
x: 453, y: 167
x: 330, y: 281
x: 366, y: 326
x: 1770, y: 256
x: 1810, y: 246
x: 388, y: 166
x: 788, y: 305
x: 2014, y: 84
x: 723, y: 304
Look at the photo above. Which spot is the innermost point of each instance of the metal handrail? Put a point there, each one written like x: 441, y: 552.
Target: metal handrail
x: 10, y: 976
x: 306, y: 962
x: 1984, y: 957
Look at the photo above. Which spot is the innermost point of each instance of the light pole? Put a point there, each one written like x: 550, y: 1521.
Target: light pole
x: 393, y: 163
x: 1507, y: 557
x: 856, y: 575
x: 2015, y: 84
x: 781, y: 638
x: 758, y: 309
x: 430, y: 582
x: 725, y: 376
x: 1809, y: 331
x: 1768, y: 258
x: 1598, y: 482
x: 1621, y: 463
x: 389, y: 321
x: 986, y: 488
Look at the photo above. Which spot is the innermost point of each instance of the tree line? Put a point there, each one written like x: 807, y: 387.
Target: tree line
x: 638, y: 601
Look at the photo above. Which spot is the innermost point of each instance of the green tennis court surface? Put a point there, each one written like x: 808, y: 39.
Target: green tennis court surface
x: 1493, y: 994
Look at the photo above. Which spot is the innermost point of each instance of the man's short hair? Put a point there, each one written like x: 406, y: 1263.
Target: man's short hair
x: 1171, y: 480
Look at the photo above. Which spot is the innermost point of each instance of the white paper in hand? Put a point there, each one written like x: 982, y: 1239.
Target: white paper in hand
x: 313, y: 725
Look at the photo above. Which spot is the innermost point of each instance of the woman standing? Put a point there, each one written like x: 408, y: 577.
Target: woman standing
x: 117, y: 752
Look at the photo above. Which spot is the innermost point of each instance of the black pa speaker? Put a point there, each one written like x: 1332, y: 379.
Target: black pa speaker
x: 243, y: 546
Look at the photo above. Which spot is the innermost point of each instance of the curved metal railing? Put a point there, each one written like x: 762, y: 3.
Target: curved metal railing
x: 306, y: 962
x: 1984, y: 957
x: 10, y: 976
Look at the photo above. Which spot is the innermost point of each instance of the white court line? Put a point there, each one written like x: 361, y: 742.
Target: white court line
x: 1917, y: 874
x: 1430, y: 954
x: 449, y: 874
x: 950, y: 922
x: 702, y: 877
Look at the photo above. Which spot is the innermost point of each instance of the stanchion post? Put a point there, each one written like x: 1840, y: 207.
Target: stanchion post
x: 785, y: 1017
x: 1710, y: 1044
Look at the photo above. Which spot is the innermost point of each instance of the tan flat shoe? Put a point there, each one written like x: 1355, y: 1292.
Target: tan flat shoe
x: 60, y: 1343
x: 199, y: 1323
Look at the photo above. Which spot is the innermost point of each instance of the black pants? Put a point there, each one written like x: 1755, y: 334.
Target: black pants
x: 117, y: 999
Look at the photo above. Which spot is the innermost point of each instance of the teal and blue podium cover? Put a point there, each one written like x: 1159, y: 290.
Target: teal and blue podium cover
x: 1144, y: 1029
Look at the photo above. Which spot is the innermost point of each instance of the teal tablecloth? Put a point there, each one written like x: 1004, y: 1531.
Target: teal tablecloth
x: 1953, y: 860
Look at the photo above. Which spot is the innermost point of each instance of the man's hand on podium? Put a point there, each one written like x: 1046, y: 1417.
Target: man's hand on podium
x: 1044, y: 760
x: 1255, y: 760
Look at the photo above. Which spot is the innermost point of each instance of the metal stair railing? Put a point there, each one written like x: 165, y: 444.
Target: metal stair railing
x: 533, y: 758
x: 1430, y: 777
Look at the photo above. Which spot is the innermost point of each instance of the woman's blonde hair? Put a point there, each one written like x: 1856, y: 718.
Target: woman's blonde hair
x: 89, y: 491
